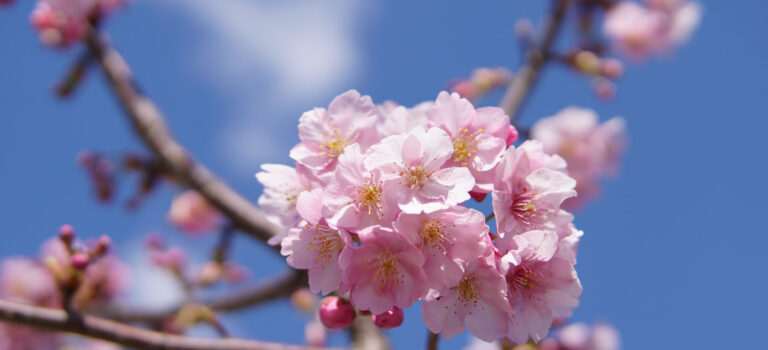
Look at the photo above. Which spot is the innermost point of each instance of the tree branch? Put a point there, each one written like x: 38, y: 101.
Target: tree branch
x: 365, y: 335
x: 149, y: 123
x: 98, y: 328
x: 276, y: 288
x: 432, y: 340
x: 538, y: 54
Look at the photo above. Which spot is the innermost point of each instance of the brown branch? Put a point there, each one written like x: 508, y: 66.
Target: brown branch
x: 538, y: 54
x: 276, y: 288
x: 149, y: 123
x: 365, y: 335
x: 98, y: 328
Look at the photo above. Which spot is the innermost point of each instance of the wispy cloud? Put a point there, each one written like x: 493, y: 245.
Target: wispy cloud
x: 272, y: 58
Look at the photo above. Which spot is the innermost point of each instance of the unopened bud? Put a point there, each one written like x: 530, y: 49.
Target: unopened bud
x: 604, y: 89
x: 512, y: 135
x: 304, y: 300
x: 336, y: 312
x: 477, y: 196
x: 80, y: 261
x: 67, y: 234
x: 390, y: 319
x: 612, y: 68
x: 587, y: 62
x: 102, y: 245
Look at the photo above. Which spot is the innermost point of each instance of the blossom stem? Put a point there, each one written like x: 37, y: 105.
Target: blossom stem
x: 490, y: 217
x: 538, y: 54
x: 432, y: 340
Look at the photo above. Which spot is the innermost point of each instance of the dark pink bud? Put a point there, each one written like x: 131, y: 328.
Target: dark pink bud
x: 390, y: 319
x: 478, y: 196
x: 512, y: 135
x: 80, y: 261
x: 464, y: 88
x: 604, y: 89
x: 102, y: 245
x: 154, y: 241
x: 612, y: 68
x: 336, y: 312
x: 67, y: 234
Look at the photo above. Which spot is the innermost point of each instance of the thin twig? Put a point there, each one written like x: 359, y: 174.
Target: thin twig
x: 133, y: 337
x: 275, y: 288
x: 538, y: 54
x: 150, y: 125
x: 432, y: 339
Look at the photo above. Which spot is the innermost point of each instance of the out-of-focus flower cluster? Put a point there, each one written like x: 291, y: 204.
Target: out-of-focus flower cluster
x: 67, y: 271
x: 653, y: 27
x: 482, y: 81
x: 591, y: 150
x: 64, y: 22
x: 573, y: 336
x: 374, y: 208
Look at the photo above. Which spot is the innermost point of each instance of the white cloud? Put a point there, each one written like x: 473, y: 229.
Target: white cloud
x: 272, y: 60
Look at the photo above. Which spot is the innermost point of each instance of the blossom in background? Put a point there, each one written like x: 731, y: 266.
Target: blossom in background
x: 381, y: 216
x: 482, y: 81
x: 592, y: 150
x: 579, y: 336
x: 64, y: 22
x: 193, y: 214
x: 657, y: 27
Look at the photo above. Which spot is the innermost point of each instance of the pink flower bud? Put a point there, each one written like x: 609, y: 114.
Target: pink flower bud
x: 390, y: 319
x: 464, y: 88
x: 67, y: 234
x: 303, y: 299
x: 154, y: 241
x: 612, y: 68
x: 315, y: 334
x: 512, y: 136
x: 604, y: 89
x: 336, y: 312
x: 478, y: 196
x: 193, y: 214
x: 80, y: 261
x: 102, y: 245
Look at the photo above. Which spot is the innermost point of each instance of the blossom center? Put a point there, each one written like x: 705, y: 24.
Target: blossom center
x: 525, y: 279
x: 465, y: 145
x: 369, y: 197
x: 388, y: 270
x: 333, y: 144
x: 433, y: 235
x: 525, y: 211
x: 415, y: 176
x: 466, y: 291
x: 326, y: 243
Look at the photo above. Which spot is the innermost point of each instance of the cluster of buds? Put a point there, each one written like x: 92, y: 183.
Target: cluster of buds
x: 481, y: 82
x: 591, y: 149
x: 62, y: 23
x: 639, y: 30
x: 602, y: 70
x: 69, y: 274
x: 374, y: 208
x: 101, y: 172
x: 174, y: 259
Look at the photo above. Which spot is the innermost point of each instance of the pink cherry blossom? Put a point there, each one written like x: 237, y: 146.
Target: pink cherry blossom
x: 383, y: 272
x: 635, y: 30
x: 316, y: 246
x: 325, y: 134
x: 478, y: 301
x: 395, y: 119
x: 193, y: 214
x: 447, y: 238
x: 479, y: 137
x: 282, y: 186
x: 412, y: 168
x: 542, y: 284
x: 356, y: 197
x: 530, y: 187
x: 592, y: 150
x: 25, y: 280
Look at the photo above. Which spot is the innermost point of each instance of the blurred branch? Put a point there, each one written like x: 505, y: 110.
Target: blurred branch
x: 538, y: 54
x: 150, y: 125
x: 365, y: 335
x: 273, y: 289
x: 432, y: 340
x: 98, y: 328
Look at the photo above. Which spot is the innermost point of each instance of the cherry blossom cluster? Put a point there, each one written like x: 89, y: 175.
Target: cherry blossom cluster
x: 67, y: 272
x: 374, y: 208
x: 592, y: 150
x: 639, y: 30
x: 64, y: 22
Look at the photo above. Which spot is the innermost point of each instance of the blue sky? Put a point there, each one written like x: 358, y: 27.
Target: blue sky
x: 672, y: 253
